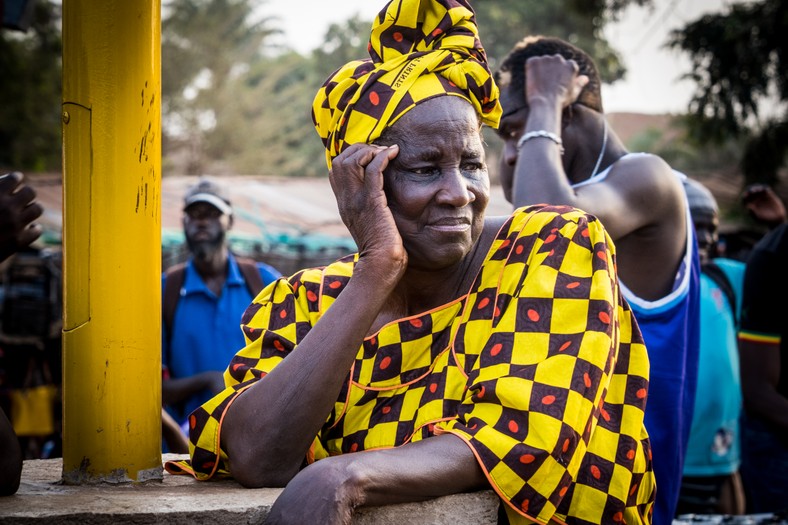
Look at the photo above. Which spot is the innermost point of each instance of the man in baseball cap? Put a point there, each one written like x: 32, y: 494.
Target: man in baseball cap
x: 203, y: 300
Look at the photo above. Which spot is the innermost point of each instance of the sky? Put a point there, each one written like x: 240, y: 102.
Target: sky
x: 652, y: 84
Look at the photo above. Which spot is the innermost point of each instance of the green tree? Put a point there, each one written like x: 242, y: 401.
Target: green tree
x: 342, y: 43
x: 206, y: 44
x: 740, y: 65
x: 259, y: 119
x: 30, y: 90
x: 275, y: 133
x: 273, y: 130
x: 503, y: 23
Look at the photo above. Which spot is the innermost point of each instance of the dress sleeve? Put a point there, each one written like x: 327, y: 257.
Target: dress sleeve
x: 548, y: 343
x: 273, y: 325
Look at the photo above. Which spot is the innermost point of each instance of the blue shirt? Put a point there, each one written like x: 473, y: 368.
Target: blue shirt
x: 206, y: 327
x: 713, y: 448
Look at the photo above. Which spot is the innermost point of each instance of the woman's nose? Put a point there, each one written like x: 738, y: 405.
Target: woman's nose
x: 456, y: 190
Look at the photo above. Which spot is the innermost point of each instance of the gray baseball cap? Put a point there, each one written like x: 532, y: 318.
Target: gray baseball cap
x: 699, y: 197
x: 206, y: 190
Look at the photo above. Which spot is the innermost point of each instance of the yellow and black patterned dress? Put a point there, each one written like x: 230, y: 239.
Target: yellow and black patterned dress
x: 539, y: 368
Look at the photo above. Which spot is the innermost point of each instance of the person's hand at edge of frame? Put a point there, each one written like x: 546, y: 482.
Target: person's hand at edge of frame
x: 18, y: 211
x: 764, y: 205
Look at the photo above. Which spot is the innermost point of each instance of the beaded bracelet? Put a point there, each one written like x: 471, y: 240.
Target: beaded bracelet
x: 541, y: 133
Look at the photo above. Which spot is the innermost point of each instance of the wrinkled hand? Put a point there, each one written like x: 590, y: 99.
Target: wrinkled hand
x: 322, y: 490
x: 553, y: 78
x: 356, y: 178
x: 18, y: 210
x: 764, y: 205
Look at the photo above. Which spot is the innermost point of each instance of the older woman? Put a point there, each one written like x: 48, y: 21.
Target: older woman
x: 457, y: 352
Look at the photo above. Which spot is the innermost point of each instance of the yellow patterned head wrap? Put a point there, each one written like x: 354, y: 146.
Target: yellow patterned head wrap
x: 419, y: 49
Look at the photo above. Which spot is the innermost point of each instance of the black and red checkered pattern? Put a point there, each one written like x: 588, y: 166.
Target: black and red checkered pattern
x: 540, y: 368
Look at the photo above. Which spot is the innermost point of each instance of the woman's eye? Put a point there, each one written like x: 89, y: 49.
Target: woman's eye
x: 473, y: 170
x: 427, y: 170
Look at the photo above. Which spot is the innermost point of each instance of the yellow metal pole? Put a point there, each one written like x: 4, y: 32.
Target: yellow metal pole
x: 112, y: 241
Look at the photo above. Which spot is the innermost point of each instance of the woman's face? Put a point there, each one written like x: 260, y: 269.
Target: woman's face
x: 437, y: 186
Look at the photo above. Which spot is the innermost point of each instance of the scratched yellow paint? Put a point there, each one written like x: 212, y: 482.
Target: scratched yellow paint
x: 112, y: 238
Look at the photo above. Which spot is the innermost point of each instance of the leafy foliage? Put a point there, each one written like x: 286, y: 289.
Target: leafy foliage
x: 30, y: 62
x: 277, y: 134
x: 206, y: 44
x: 280, y: 90
x: 502, y: 23
x: 765, y: 154
x: 739, y: 64
x: 259, y: 119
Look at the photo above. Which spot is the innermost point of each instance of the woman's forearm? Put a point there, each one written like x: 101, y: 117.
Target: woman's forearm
x: 431, y: 468
x: 434, y: 467
x: 269, y: 428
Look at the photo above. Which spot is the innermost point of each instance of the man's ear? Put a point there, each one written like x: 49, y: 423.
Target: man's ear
x: 230, y: 221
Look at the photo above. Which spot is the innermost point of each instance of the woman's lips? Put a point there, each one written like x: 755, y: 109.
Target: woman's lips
x: 453, y: 224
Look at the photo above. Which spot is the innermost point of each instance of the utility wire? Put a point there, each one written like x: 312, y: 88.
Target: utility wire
x: 659, y: 21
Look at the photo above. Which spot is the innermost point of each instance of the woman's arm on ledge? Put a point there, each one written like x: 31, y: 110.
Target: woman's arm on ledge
x: 437, y: 466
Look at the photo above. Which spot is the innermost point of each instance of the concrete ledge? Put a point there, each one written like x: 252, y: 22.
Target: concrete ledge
x: 182, y: 500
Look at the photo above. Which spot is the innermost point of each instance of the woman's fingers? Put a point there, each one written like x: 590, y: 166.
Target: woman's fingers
x: 348, y: 168
x: 361, y: 165
x: 357, y: 181
x: 373, y: 178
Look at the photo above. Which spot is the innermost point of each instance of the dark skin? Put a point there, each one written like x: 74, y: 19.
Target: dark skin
x: 764, y: 205
x: 422, y: 238
x: 640, y: 202
x: 18, y: 210
x: 206, y: 225
x: 707, y: 231
x: 760, y: 374
x: 203, y: 222
x: 760, y: 362
x: 172, y: 434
